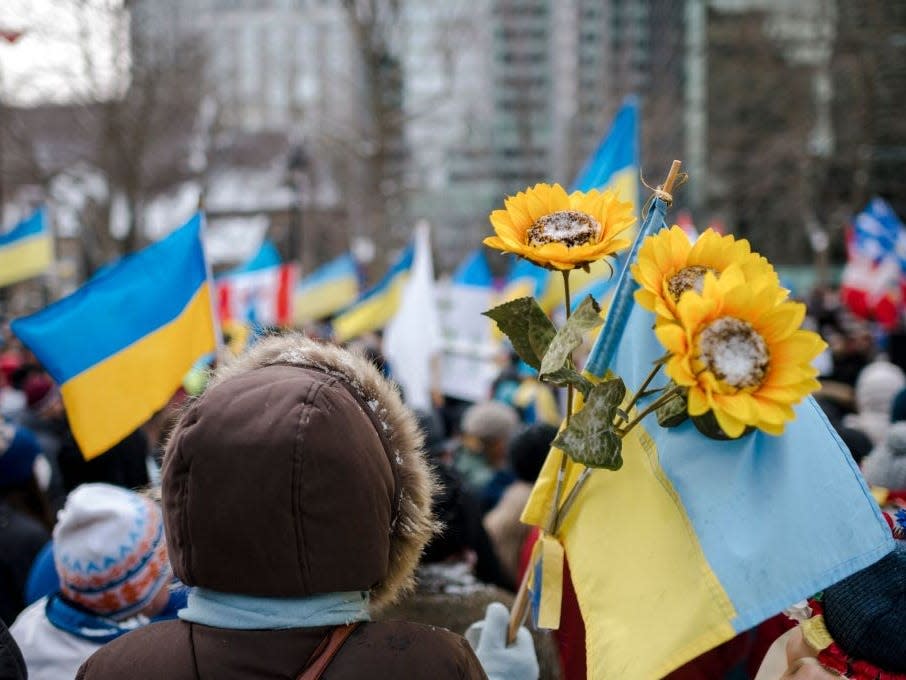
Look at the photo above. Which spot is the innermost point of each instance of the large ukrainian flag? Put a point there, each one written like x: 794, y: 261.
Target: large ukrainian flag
x: 693, y: 541
x: 377, y: 305
x: 327, y: 290
x: 120, y: 345
x: 26, y: 250
x: 615, y: 163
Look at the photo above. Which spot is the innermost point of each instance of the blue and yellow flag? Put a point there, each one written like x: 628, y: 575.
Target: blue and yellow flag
x: 693, y: 540
x: 26, y: 250
x: 377, y: 305
x: 121, y: 344
x: 474, y: 271
x: 327, y: 290
x: 615, y: 163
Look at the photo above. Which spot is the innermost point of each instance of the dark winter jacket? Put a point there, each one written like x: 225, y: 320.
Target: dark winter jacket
x: 12, y: 665
x: 21, y: 538
x: 297, y: 472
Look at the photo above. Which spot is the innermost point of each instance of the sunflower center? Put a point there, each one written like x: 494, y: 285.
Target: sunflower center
x: 734, y: 352
x: 688, y: 278
x: 569, y: 227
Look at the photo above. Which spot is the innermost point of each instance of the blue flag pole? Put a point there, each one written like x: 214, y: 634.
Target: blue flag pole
x: 603, y: 352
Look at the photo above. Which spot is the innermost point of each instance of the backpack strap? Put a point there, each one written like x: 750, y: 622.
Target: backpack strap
x: 325, y: 652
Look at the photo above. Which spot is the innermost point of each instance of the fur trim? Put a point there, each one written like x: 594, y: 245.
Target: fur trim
x: 415, y: 524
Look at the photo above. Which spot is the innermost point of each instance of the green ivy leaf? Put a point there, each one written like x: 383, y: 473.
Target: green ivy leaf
x: 569, y: 376
x: 568, y: 338
x: 527, y: 326
x: 674, y: 412
x: 590, y: 438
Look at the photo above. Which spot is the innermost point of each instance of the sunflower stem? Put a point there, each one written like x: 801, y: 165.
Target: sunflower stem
x: 651, y: 408
x: 561, y: 472
x: 571, y: 498
x: 641, y: 391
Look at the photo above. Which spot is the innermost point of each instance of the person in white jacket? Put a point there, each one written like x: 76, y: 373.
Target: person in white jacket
x: 111, y: 556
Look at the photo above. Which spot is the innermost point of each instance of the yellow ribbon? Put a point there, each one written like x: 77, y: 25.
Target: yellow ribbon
x: 815, y: 633
x: 550, y: 553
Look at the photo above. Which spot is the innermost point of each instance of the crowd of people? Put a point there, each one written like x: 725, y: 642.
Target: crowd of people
x: 294, y: 519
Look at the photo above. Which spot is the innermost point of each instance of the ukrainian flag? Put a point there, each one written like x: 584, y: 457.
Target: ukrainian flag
x: 615, y: 163
x: 120, y: 345
x: 327, y: 290
x: 474, y: 271
x: 693, y: 541
x: 377, y: 305
x: 27, y: 250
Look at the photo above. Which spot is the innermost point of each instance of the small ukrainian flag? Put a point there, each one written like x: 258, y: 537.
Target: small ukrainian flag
x: 120, y: 345
x: 376, y: 306
x: 326, y: 290
x: 615, y: 163
x: 27, y: 250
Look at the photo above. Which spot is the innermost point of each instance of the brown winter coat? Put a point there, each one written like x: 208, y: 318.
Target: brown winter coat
x: 297, y: 472
x: 182, y: 651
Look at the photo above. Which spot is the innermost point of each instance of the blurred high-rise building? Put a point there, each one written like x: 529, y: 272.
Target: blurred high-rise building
x: 273, y: 64
x: 481, y: 98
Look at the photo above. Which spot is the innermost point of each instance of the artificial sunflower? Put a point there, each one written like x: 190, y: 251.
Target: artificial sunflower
x: 562, y: 231
x: 668, y: 265
x: 740, y: 353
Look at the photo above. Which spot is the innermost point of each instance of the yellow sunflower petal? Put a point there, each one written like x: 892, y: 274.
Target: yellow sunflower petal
x: 693, y: 309
x: 740, y: 405
x: 771, y: 428
x: 537, y: 202
x: 782, y: 321
x: 617, y: 244
x: 801, y: 346
x: 663, y: 310
x: 518, y: 211
x: 495, y: 242
x: 698, y: 402
x: 679, y: 247
x: 706, y: 249
x: 645, y: 299
x: 770, y: 411
x: 557, y: 199
x: 504, y: 227
x: 672, y: 337
x: 729, y: 424
x: 678, y: 370
x: 779, y: 393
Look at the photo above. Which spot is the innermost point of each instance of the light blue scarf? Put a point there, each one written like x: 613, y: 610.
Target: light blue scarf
x: 246, y: 612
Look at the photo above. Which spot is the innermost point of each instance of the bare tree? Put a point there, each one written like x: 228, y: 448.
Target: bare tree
x: 132, y: 119
x: 380, y: 153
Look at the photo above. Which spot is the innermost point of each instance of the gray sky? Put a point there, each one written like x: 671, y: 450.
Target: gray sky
x: 49, y: 61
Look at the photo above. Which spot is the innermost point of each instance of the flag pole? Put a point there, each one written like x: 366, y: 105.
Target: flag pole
x: 219, y: 347
x: 520, y: 604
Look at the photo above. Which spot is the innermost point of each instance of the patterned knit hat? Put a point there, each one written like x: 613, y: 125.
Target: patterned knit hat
x: 858, y: 624
x: 110, y: 551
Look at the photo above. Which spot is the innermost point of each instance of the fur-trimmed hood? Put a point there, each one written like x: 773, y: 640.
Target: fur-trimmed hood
x: 297, y: 471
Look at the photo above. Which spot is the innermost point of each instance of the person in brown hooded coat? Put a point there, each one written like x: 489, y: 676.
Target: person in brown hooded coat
x: 296, y: 499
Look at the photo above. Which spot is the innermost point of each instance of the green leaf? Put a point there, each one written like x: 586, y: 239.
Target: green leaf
x: 568, y: 338
x: 569, y: 376
x: 590, y: 438
x: 674, y: 412
x: 527, y: 327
